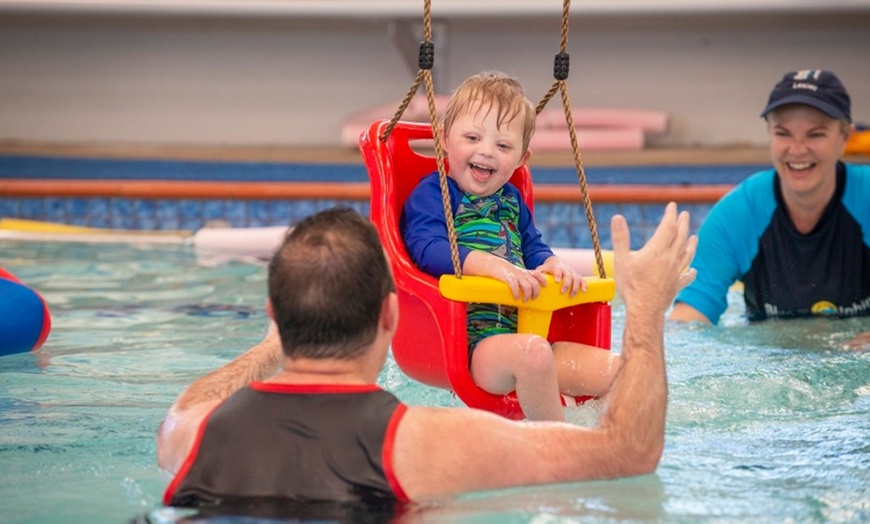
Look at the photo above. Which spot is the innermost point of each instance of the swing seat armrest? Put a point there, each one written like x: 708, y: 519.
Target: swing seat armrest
x: 535, y: 314
x: 491, y: 291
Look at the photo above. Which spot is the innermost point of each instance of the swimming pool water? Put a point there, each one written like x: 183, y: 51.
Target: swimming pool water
x: 766, y: 422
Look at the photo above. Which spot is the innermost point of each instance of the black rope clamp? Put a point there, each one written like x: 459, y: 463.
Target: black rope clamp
x: 561, y: 66
x: 427, y: 55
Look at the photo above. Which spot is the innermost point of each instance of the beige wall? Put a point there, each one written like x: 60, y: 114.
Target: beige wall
x: 288, y: 80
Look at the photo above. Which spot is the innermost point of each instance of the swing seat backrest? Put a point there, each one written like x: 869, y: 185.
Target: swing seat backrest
x: 430, y: 344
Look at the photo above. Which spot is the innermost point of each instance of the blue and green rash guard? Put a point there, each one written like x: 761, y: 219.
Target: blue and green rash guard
x: 748, y: 236
x: 501, y: 224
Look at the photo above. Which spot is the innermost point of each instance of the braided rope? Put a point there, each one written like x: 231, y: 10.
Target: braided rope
x: 404, y: 105
x: 560, y: 72
x: 442, y: 178
x: 581, y: 175
x: 424, y: 75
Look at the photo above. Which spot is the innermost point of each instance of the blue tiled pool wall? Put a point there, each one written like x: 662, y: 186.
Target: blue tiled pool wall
x: 565, y: 225
x: 164, y: 214
x: 562, y: 224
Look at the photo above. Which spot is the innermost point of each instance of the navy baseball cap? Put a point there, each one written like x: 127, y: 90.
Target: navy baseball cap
x: 813, y: 87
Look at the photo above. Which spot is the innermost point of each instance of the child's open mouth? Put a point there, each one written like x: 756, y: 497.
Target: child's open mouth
x: 481, y: 172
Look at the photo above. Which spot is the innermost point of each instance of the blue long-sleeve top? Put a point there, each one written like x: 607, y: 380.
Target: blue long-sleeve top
x: 748, y: 236
x: 424, y: 229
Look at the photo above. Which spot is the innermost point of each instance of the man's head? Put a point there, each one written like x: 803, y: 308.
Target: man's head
x: 327, y: 285
x: 493, y: 91
x: 816, y: 88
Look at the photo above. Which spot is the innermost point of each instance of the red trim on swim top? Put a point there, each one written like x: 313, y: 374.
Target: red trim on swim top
x: 277, y: 387
x: 46, y: 325
x: 188, y: 462
x: 9, y: 276
x: 387, y: 453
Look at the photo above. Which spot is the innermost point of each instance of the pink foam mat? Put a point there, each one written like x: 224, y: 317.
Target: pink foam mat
x: 596, y: 128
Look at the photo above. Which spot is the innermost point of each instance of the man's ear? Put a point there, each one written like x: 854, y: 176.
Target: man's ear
x: 390, y: 313
x: 269, y: 310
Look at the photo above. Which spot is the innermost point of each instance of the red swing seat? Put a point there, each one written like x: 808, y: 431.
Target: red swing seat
x: 430, y: 344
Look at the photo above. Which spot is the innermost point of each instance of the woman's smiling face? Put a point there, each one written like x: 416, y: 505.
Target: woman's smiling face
x: 482, y: 156
x: 805, y: 145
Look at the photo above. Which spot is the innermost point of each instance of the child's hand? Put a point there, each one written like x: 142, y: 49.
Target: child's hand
x: 564, y: 274
x: 523, y: 283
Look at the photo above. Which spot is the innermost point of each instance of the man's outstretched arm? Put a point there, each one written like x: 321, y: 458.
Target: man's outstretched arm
x: 178, y: 429
x: 647, y: 281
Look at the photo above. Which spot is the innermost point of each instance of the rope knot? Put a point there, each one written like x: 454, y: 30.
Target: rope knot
x: 427, y: 55
x: 561, y: 65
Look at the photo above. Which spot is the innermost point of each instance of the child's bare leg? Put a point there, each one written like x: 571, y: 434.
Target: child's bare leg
x: 584, y: 370
x: 523, y: 363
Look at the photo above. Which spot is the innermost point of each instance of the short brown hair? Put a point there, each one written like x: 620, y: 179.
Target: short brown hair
x: 327, y: 283
x: 493, y: 89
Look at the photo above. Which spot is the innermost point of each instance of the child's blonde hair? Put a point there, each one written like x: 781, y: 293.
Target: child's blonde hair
x: 493, y: 89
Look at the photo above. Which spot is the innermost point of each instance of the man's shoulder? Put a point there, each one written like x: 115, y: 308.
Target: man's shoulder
x: 431, y: 416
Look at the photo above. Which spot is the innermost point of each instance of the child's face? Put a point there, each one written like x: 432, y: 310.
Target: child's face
x: 483, y: 157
